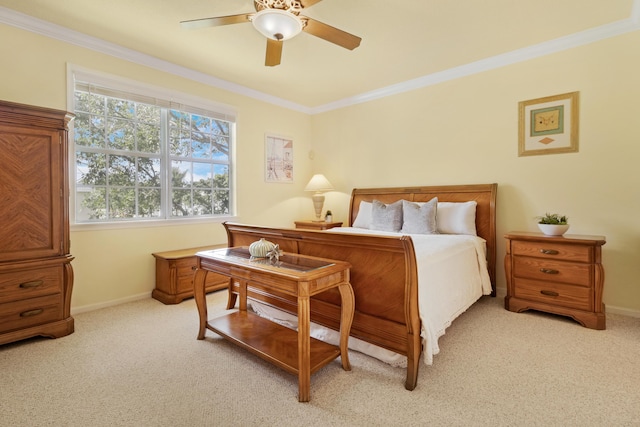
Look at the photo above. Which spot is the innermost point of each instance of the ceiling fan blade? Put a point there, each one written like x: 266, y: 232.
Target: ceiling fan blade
x: 331, y: 34
x: 216, y: 21
x: 309, y: 3
x: 274, y: 52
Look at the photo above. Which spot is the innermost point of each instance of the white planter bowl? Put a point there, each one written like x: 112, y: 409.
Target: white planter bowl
x: 553, y: 229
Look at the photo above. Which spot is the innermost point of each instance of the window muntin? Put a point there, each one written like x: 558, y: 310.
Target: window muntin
x: 139, y: 161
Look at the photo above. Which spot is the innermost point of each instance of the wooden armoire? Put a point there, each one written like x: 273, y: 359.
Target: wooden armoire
x: 36, y: 277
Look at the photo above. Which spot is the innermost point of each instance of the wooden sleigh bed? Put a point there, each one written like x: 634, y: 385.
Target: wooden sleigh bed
x: 384, y: 274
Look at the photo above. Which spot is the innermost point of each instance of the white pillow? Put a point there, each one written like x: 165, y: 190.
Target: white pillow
x: 386, y: 217
x: 457, y: 218
x: 419, y: 218
x: 363, y: 219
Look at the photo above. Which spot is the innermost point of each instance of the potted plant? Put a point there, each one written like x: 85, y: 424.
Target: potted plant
x: 553, y: 224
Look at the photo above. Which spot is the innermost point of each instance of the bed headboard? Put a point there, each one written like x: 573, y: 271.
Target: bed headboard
x: 483, y: 194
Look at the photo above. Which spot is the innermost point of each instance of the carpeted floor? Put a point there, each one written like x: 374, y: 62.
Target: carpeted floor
x: 140, y: 364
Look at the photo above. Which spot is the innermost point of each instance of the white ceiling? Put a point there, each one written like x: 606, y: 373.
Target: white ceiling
x: 404, y: 43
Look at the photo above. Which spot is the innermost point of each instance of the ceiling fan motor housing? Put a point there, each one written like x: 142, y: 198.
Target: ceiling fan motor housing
x: 277, y: 24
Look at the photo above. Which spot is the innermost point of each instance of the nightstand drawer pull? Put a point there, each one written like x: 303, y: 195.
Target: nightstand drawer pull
x: 32, y: 284
x: 549, y: 251
x: 31, y: 312
x: 549, y: 293
x: 549, y: 271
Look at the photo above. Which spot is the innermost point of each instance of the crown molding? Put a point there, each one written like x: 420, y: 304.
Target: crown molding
x: 47, y: 29
x: 513, y: 57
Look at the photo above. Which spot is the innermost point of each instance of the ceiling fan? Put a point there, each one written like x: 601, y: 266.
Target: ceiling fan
x: 279, y: 20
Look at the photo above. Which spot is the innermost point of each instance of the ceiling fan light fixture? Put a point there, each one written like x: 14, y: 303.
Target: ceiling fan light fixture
x: 277, y: 24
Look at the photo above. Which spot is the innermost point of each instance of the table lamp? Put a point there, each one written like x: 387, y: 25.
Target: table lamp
x: 318, y: 184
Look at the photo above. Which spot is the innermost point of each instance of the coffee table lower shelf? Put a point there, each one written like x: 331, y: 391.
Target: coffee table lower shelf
x: 270, y: 341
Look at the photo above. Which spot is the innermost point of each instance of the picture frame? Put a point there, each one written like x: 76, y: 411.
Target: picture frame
x: 548, y: 125
x: 278, y: 166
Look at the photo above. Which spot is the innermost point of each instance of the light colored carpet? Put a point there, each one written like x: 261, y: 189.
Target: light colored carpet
x: 140, y: 364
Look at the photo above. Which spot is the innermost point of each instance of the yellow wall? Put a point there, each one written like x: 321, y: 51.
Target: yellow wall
x: 114, y: 265
x: 462, y: 131
x: 466, y: 131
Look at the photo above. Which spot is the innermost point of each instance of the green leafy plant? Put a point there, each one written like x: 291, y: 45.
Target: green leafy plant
x: 555, y: 219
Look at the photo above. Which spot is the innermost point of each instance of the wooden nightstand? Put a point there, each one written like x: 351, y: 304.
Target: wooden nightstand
x: 317, y: 225
x: 556, y: 274
x: 174, y: 275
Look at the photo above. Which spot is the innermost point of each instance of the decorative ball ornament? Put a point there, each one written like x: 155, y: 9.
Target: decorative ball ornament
x: 260, y: 248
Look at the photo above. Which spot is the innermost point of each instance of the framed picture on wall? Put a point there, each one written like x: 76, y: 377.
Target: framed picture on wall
x: 278, y: 159
x: 548, y: 125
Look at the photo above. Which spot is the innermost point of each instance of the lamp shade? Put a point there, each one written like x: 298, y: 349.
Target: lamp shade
x: 318, y: 183
x: 277, y: 24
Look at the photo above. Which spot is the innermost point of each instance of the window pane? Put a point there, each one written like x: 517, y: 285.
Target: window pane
x: 181, y: 174
x: 91, y: 203
x: 148, y: 138
x: 202, y: 202
x: 149, y: 172
x: 221, y: 203
x: 89, y: 130
x: 121, y: 170
x: 122, y: 203
x: 121, y: 134
x: 220, y: 149
x: 149, y: 203
x: 91, y: 168
x: 202, y: 175
x: 181, y: 203
x: 119, y: 108
x: 200, y: 149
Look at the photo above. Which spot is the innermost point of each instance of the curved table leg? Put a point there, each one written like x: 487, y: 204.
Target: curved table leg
x: 200, y: 296
x: 346, y: 319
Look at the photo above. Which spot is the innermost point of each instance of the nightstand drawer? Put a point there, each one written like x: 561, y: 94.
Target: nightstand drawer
x: 30, y: 312
x: 21, y: 284
x: 577, y: 297
x: 552, y: 271
x: 565, y: 252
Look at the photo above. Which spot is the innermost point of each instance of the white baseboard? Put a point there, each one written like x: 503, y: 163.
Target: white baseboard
x: 91, y: 307
x: 623, y: 311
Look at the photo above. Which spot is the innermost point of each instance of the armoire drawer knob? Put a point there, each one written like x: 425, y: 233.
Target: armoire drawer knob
x: 549, y: 271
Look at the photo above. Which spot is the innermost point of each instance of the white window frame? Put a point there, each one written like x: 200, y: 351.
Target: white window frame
x: 172, y: 99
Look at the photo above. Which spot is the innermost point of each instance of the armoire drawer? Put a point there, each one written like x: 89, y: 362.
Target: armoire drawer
x: 30, y: 312
x: 21, y: 284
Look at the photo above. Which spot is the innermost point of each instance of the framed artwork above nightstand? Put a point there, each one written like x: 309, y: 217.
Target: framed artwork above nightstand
x: 317, y: 225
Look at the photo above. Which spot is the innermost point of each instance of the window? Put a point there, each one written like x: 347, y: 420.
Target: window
x: 141, y: 158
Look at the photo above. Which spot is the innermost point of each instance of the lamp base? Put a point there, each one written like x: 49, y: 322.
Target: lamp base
x: 318, y: 202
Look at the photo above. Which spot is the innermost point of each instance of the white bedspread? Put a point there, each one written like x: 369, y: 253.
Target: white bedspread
x: 452, y: 275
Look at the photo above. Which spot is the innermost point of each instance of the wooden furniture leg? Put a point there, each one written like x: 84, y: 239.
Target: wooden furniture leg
x: 231, y: 301
x: 199, y: 294
x: 304, y: 350
x: 346, y: 318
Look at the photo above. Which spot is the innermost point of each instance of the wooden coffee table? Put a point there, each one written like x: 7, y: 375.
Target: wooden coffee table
x: 297, y: 275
